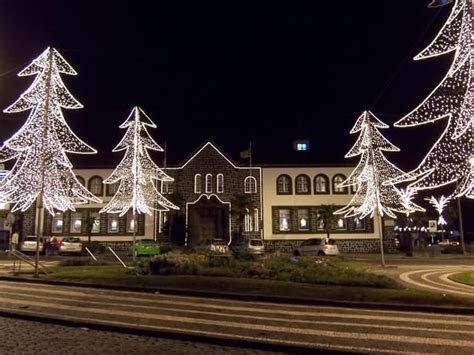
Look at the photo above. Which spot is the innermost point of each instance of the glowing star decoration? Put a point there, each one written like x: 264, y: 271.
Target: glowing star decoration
x: 375, y: 194
x: 42, y: 170
x: 447, y: 161
x: 137, y: 173
x: 439, y: 206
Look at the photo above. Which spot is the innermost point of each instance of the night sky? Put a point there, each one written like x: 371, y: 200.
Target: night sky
x: 232, y: 71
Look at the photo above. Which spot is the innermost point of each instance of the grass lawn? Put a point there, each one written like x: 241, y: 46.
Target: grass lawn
x: 464, y: 277
x: 115, y: 275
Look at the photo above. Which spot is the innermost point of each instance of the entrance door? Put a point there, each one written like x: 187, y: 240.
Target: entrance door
x: 207, y: 219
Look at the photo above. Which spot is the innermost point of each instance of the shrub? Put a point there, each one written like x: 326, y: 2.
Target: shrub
x: 452, y: 249
x: 94, y: 247
x: 75, y: 262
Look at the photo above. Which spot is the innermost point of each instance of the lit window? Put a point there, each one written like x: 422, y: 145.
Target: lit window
x: 336, y: 182
x: 359, y: 224
x: 321, y: 185
x: 303, y: 220
x: 113, y: 223
x: 302, y: 184
x: 250, y: 185
x: 131, y: 223
x: 166, y: 187
x: 76, y: 222
x: 248, y: 221
x: 208, y: 183
x: 95, y: 185
x: 319, y: 223
x: 302, y: 147
x: 220, y: 183
x: 58, y: 221
x: 341, y: 224
x: 284, y: 220
x: 256, y: 220
x: 197, y: 184
x: 284, y: 185
x: 96, y: 223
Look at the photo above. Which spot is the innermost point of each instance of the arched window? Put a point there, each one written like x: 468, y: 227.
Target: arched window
x: 284, y: 185
x: 220, y: 183
x: 248, y: 221
x: 81, y: 180
x: 250, y: 185
x: 208, y: 183
x: 321, y: 184
x: 256, y: 220
x: 336, y: 181
x: 302, y: 184
x: 111, y: 189
x: 95, y: 186
x: 197, y: 184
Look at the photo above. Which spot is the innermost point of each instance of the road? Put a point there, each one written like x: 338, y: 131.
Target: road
x: 216, y: 320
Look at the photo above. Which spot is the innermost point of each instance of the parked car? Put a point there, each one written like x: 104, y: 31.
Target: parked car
x: 216, y: 246
x: 251, y: 246
x: 70, y: 245
x: 145, y: 247
x: 317, y: 246
x: 28, y: 245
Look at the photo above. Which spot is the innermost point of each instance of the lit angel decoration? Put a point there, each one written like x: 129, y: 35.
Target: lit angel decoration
x: 375, y: 195
x: 42, y: 170
x: 137, y: 174
x: 449, y: 160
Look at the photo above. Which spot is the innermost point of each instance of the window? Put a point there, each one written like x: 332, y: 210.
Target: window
x: 95, y: 185
x: 302, y: 184
x: 81, y: 180
x: 58, y: 221
x: 197, y: 184
x: 321, y: 184
x: 111, y: 189
x: 319, y: 223
x: 354, y: 188
x: 336, y: 181
x: 303, y: 220
x: 76, y: 222
x: 132, y: 224
x: 208, y: 183
x: 166, y: 187
x: 341, y: 224
x: 250, y: 185
x: 359, y: 224
x: 251, y: 221
x: 284, y: 220
x: 220, y: 183
x: 96, y: 223
x: 112, y: 223
x: 284, y: 185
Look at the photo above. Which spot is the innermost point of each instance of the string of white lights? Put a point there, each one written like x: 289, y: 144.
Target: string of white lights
x: 40, y: 145
x: 137, y: 174
x: 372, y: 177
x: 451, y: 159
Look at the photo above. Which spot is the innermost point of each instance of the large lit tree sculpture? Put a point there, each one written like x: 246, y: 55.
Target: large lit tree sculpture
x: 137, y: 174
x: 375, y: 194
x: 450, y: 160
x: 42, y: 171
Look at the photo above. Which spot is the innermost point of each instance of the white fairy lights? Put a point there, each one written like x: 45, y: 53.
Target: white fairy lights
x: 137, y: 173
x: 448, y: 161
x: 375, y: 194
x: 439, y: 206
x: 42, y: 169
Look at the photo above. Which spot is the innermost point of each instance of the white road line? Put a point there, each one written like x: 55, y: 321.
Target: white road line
x: 252, y: 317
x: 225, y: 335
x: 259, y: 327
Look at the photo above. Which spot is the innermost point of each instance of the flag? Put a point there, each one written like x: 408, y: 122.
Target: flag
x: 246, y: 154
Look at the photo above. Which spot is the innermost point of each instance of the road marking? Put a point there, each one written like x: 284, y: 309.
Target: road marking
x: 252, y: 317
x: 258, y: 327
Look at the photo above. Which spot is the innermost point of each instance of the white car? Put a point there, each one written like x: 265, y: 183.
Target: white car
x: 70, y: 245
x: 317, y: 246
x: 28, y: 245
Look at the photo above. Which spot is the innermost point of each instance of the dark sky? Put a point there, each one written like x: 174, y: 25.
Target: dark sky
x: 231, y: 71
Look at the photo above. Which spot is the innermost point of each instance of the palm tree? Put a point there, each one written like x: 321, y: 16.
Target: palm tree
x: 327, y: 216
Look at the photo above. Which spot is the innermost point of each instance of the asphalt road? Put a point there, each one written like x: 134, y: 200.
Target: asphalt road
x: 242, y: 323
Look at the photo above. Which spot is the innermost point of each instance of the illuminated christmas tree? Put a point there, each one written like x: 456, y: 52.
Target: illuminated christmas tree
x: 451, y: 159
x: 42, y: 169
x: 137, y: 174
x: 375, y: 194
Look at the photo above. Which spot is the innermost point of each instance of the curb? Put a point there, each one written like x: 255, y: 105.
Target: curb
x: 254, y: 298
